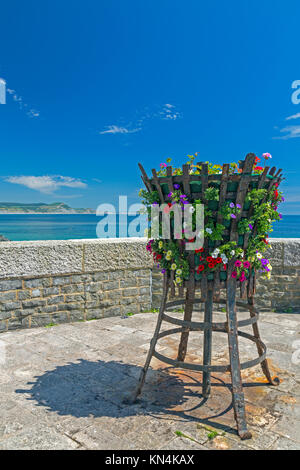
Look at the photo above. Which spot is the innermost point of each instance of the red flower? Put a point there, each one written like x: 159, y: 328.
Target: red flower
x: 209, y: 259
x: 219, y: 260
x: 211, y: 265
x: 258, y: 168
x: 200, y: 250
x: 200, y: 268
x: 276, y: 193
x: 257, y: 159
x: 224, y: 267
x: 265, y: 241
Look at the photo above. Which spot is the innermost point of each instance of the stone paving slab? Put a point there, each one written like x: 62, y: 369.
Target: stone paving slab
x: 64, y: 387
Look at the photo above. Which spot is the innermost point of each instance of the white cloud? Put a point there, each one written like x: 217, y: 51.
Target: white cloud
x: 294, y: 116
x: 165, y: 112
x: 119, y: 130
x: 46, y: 184
x: 32, y: 113
x: 292, y: 132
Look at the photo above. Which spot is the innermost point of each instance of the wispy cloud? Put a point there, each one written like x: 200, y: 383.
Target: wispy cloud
x: 119, y: 130
x: 166, y: 112
x: 30, y: 112
x: 294, y: 116
x: 291, y: 132
x: 169, y: 112
x: 46, y: 184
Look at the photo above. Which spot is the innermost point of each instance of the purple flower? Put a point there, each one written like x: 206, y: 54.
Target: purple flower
x: 176, y: 186
x: 231, y: 205
x: 250, y: 226
x: 283, y: 199
x: 163, y: 271
x: 155, y: 204
x: 264, y: 261
x: 280, y: 216
x: 238, y: 206
x: 158, y: 265
x: 233, y: 216
x: 170, y: 194
x: 182, y: 196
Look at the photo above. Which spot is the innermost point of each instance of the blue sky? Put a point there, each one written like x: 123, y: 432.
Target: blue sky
x: 94, y: 87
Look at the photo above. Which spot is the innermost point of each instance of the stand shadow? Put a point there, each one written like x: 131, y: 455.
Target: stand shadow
x: 96, y: 389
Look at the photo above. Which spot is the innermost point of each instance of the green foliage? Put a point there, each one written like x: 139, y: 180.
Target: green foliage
x: 212, y: 194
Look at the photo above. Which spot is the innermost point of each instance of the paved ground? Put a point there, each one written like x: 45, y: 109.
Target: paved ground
x: 63, y: 388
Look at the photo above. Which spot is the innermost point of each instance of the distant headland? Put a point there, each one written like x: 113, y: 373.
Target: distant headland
x: 41, y: 208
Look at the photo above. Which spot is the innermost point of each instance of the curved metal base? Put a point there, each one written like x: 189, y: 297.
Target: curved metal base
x: 207, y: 326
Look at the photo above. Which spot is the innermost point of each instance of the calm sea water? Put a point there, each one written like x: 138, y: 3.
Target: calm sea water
x: 79, y: 226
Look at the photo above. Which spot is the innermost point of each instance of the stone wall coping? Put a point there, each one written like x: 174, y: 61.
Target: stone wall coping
x: 55, y: 257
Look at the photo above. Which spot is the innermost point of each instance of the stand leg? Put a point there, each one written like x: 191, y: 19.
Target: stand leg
x: 235, y: 367
x: 153, y: 342
x: 207, y: 343
x: 264, y: 364
x: 188, y: 310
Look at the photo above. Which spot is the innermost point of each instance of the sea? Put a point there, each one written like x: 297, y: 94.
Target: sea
x: 19, y: 227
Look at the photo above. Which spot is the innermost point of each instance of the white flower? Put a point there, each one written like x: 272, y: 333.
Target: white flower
x: 242, y: 255
x: 259, y: 255
x: 160, y: 244
x: 217, y: 251
x: 173, y: 266
x: 232, y: 252
x: 178, y: 272
x: 191, y: 209
x: 209, y: 230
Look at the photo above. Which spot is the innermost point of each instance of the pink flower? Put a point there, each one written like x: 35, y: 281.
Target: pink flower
x: 242, y: 277
x: 234, y: 274
x: 238, y: 263
x: 163, y: 165
x: 267, y: 156
x: 246, y: 264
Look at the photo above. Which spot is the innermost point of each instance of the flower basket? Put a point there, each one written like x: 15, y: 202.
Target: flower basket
x: 240, y: 204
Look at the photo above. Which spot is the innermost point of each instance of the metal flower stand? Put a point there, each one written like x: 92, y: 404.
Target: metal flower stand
x: 210, y: 293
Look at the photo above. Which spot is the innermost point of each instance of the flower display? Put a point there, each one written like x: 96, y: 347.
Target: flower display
x: 172, y: 255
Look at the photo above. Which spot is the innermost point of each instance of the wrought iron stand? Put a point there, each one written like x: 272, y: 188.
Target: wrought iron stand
x: 210, y: 289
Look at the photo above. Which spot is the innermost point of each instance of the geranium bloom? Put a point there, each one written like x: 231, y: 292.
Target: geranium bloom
x: 211, y: 265
x: 219, y: 260
x: 234, y: 274
x: 246, y: 264
x: 209, y: 259
x: 200, y: 268
x: 238, y: 263
x: 257, y: 159
x: 258, y: 168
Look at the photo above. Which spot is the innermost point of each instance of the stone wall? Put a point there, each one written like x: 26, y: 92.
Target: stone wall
x: 44, y: 283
